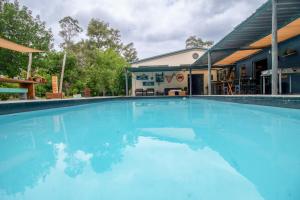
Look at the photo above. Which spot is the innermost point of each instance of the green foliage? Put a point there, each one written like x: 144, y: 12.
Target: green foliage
x: 8, y: 96
x: 98, y: 62
x: 130, y: 53
x: 74, y: 75
x: 105, y: 75
x: 194, y: 42
x: 103, y: 36
x: 18, y: 25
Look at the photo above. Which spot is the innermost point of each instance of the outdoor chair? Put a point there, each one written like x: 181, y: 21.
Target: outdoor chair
x: 225, y: 90
x: 139, y: 92
x: 237, y: 89
x: 150, y: 92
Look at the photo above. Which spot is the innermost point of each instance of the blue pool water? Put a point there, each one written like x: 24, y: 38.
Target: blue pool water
x: 151, y: 150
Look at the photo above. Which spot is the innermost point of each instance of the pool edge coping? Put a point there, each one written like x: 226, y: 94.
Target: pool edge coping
x: 11, y: 107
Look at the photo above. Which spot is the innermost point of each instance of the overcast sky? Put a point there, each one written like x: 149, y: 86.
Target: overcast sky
x: 155, y: 26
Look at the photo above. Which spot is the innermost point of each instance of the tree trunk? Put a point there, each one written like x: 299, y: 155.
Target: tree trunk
x: 62, y: 73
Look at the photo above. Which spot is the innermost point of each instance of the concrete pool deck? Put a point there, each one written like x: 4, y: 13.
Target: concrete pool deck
x: 284, y: 101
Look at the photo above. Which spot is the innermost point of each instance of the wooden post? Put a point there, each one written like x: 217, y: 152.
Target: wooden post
x: 31, y: 89
x: 29, y: 66
x: 54, y: 85
x: 62, y: 73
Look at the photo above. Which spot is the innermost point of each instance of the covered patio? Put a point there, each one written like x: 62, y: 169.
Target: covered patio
x: 166, y: 80
x: 26, y: 87
x: 275, y: 22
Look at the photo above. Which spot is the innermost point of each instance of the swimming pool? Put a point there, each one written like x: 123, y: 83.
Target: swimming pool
x: 151, y: 149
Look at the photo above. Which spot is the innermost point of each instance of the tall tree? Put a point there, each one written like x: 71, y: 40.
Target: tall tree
x: 194, y: 41
x: 70, y: 28
x: 18, y: 25
x: 103, y: 36
x: 130, y: 53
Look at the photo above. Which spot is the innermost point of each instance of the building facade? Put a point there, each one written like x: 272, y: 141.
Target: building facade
x: 170, y: 71
x: 289, y: 64
x: 247, y: 57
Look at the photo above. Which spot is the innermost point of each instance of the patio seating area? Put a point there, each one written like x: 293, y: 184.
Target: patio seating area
x: 26, y: 87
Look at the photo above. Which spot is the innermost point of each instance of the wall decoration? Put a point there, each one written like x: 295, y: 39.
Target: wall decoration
x: 142, y: 77
x: 195, y: 56
x: 170, y: 77
x: 159, y: 77
x: 179, y: 77
x: 151, y: 83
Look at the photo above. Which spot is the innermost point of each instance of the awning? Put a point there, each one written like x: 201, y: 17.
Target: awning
x: 238, y: 55
x: 16, y: 47
x: 255, y: 33
x: 289, y: 31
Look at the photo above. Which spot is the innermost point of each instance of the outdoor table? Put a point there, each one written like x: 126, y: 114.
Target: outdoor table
x: 173, y: 92
x: 28, y: 84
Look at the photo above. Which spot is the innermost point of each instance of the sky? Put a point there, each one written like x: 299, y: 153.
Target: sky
x: 154, y: 26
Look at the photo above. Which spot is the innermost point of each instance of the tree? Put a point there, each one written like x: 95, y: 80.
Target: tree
x: 74, y: 75
x: 18, y: 25
x: 105, y: 75
x: 97, y: 62
x: 194, y: 42
x: 103, y: 36
x: 70, y: 28
x: 130, y: 53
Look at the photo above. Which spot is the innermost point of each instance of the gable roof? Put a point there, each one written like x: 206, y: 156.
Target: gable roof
x: 168, y: 54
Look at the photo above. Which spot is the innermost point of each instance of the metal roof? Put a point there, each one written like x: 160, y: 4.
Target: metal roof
x: 256, y: 27
x: 163, y: 68
x: 169, y: 54
x: 156, y: 68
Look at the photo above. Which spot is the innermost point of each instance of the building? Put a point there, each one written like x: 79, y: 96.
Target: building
x: 262, y: 50
x: 170, y: 71
x: 246, y: 56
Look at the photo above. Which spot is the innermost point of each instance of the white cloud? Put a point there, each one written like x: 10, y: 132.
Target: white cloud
x: 155, y: 26
x: 151, y: 169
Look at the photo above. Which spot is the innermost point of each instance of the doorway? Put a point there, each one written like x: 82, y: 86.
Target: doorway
x: 197, y: 84
x: 259, y: 67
